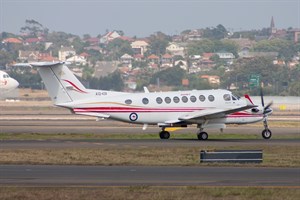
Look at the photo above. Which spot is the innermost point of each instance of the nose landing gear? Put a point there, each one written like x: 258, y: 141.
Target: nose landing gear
x: 266, y: 134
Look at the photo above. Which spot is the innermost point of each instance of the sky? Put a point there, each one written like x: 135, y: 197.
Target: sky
x: 144, y: 17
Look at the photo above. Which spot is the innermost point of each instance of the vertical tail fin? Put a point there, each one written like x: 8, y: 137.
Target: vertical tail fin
x: 61, y: 83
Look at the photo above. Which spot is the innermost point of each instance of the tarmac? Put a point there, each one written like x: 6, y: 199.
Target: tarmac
x: 84, y: 176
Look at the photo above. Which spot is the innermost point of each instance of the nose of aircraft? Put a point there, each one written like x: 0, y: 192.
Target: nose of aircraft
x: 14, y: 83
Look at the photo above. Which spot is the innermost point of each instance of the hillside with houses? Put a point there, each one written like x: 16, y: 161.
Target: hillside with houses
x: 194, y: 59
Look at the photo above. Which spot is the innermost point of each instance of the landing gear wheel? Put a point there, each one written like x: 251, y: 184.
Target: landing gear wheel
x: 202, y: 136
x: 266, y: 134
x: 164, y: 135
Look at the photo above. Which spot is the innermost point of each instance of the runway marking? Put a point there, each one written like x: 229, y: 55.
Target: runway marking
x: 150, y: 186
x: 98, y: 143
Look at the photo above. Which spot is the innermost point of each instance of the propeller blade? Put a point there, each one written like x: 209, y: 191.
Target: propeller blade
x: 267, y: 109
x: 262, y: 97
x: 269, y: 105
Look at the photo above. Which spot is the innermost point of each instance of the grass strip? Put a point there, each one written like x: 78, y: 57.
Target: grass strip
x: 274, y: 156
x: 149, y: 192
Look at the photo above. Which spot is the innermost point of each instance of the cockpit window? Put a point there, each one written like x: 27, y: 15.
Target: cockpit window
x: 234, y: 98
x: 226, y: 97
x: 5, y: 76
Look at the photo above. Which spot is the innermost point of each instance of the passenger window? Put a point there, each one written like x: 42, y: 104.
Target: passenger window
x: 128, y: 101
x: 145, y: 101
x: 226, y: 97
x: 193, y: 99
x: 168, y: 100
x: 176, y: 99
x: 211, y: 98
x: 159, y: 100
x: 184, y: 99
x: 202, y: 98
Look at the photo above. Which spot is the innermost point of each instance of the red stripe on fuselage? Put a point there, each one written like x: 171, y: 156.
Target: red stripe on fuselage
x: 153, y: 110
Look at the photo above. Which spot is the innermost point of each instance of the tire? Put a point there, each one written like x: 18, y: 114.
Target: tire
x: 202, y: 136
x: 266, y: 134
x: 164, y: 135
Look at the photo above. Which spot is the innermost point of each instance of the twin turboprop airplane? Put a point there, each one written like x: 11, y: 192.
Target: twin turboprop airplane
x: 7, y: 83
x: 206, y: 108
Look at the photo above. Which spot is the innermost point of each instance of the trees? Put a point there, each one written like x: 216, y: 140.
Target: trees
x: 273, y: 77
x: 215, y: 33
x: 158, y: 43
x: 171, y: 76
x: 286, y: 49
x: 206, y: 45
x: 119, y: 47
x: 5, y: 58
x: 33, y: 28
x: 111, y: 82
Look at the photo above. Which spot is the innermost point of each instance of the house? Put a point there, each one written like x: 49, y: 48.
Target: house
x: 108, y: 37
x: 175, y: 49
x: 228, y: 57
x: 28, y: 56
x: 167, y: 60
x: 153, y: 58
x: 138, y: 57
x: 93, y: 41
x: 66, y: 52
x: 12, y: 41
x: 77, y: 60
x: 182, y: 64
x: 193, y: 35
x: 31, y: 41
x: 126, y: 38
x: 126, y: 59
x: 213, y: 80
x: 139, y: 46
x: 47, y: 57
x: 258, y: 54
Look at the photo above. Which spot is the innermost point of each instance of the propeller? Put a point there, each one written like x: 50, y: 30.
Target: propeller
x: 267, y: 109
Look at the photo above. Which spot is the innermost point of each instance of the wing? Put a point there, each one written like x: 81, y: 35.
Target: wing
x: 213, y: 113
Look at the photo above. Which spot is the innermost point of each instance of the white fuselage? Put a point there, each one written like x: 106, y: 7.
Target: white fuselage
x: 164, y: 108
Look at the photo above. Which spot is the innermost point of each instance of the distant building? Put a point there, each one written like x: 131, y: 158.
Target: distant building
x: 167, y: 60
x: 139, y: 46
x: 108, y: 37
x: 175, y: 49
x: 12, y: 41
x: 182, y: 64
x: 66, y: 52
x: 126, y: 59
x: 213, y: 80
x: 28, y: 56
x: 77, y: 60
x: 153, y: 58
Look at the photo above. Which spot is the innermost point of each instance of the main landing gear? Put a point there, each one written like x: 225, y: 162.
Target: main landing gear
x: 202, y: 135
x: 164, y: 135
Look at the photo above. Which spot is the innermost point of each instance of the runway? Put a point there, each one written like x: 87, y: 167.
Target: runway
x: 53, y: 175
x: 139, y: 143
x: 23, y: 175
x: 84, y: 125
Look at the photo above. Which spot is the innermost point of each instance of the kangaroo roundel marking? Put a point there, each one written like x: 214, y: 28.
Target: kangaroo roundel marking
x: 133, y: 117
